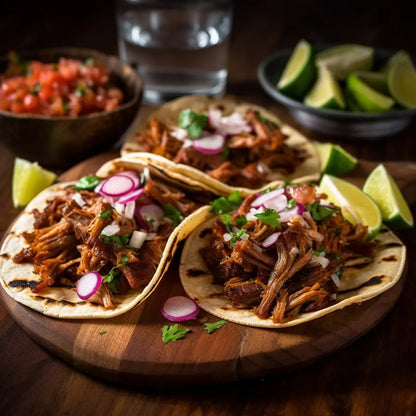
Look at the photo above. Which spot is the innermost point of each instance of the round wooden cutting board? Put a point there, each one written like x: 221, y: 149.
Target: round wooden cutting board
x: 129, y: 348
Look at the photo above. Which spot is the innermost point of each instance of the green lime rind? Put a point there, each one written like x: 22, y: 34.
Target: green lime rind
x: 367, y: 98
x: 334, y: 159
x: 326, y: 92
x: 382, y: 188
x: 299, y: 73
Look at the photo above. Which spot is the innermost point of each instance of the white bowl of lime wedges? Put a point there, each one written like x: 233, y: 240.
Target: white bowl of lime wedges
x: 350, y: 90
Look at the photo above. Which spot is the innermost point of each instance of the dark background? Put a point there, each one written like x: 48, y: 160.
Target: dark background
x: 274, y: 24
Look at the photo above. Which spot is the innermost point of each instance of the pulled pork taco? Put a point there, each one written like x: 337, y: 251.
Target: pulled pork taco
x: 224, y: 144
x: 285, y: 257
x: 98, y: 247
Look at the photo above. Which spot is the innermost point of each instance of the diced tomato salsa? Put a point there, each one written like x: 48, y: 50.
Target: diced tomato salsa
x: 68, y: 87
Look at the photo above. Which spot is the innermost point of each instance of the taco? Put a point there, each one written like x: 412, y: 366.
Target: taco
x: 224, y: 144
x: 286, y: 257
x: 97, y: 247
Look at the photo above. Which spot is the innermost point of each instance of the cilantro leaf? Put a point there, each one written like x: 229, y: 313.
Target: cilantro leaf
x: 105, y: 214
x: 269, y: 216
x: 211, y: 327
x: 268, y: 121
x: 291, y: 203
x: 173, y: 333
x: 87, y: 182
x: 240, y: 221
x: 119, y: 240
x: 112, y: 278
x: 227, y: 219
x: 318, y: 212
x: 192, y: 122
x: 236, y: 236
x: 225, y: 204
x: 173, y: 214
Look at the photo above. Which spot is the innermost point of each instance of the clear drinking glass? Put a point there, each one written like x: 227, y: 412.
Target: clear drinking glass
x: 179, y: 47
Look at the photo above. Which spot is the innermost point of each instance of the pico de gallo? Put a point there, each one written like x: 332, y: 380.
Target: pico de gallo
x: 69, y: 87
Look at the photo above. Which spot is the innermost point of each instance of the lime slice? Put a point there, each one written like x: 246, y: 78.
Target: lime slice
x: 28, y: 180
x: 385, y: 192
x: 299, y: 72
x: 398, y: 56
x: 375, y: 80
x: 401, y: 81
x: 334, y: 159
x: 326, y: 92
x: 356, y: 206
x: 367, y: 98
x: 343, y: 59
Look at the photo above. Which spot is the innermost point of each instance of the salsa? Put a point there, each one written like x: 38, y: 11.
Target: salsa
x: 69, y: 87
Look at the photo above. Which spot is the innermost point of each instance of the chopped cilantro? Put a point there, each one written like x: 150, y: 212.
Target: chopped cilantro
x: 87, y: 182
x: 119, y: 240
x: 211, y: 327
x: 173, y: 333
x: 291, y: 203
x: 224, y: 204
x: 240, y: 221
x: 80, y: 91
x: 36, y: 88
x: 192, y: 122
x: 269, y: 216
x: 236, y: 236
x: 227, y: 219
x: 173, y: 214
x: 105, y: 214
x: 124, y: 260
x: 103, y: 332
x: 318, y: 212
x: 226, y: 152
x: 66, y: 107
x: 112, y: 278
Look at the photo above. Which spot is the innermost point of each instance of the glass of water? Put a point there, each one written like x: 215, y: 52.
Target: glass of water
x: 179, y: 47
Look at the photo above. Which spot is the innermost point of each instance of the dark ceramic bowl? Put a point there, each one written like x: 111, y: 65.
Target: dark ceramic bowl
x: 340, y: 123
x: 60, y: 142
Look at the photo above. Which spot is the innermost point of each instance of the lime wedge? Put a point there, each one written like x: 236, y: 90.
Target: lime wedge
x: 401, y: 81
x: 326, y: 92
x: 334, y: 159
x: 343, y: 59
x: 399, y: 55
x: 356, y: 206
x: 28, y: 180
x: 385, y: 192
x: 375, y: 80
x: 299, y: 72
x: 367, y: 98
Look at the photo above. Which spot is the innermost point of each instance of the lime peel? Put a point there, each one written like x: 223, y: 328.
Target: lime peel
x: 334, y: 159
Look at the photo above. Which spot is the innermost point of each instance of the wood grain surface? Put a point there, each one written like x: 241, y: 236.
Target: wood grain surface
x: 129, y: 348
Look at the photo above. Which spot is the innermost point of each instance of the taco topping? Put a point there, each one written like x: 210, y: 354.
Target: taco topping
x: 104, y: 237
x: 282, y: 253
x: 243, y: 150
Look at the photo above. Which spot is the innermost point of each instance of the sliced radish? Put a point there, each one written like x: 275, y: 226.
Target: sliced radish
x: 88, y: 284
x: 131, y: 196
x: 179, y: 308
x: 277, y: 203
x: 117, y: 185
x: 271, y: 239
x: 133, y: 175
x: 149, y: 216
x: 210, y: 144
x: 260, y: 200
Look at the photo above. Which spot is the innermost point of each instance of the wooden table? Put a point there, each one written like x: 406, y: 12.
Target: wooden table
x: 376, y: 375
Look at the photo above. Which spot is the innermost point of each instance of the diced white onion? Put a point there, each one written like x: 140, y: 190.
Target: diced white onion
x: 111, y: 230
x: 179, y: 133
x: 119, y: 208
x: 335, y: 279
x: 245, y: 237
x: 151, y: 236
x: 77, y: 197
x: 321, y: 259
x: 137, y: 239
x: 129, y: 209
x: 227, y: 237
